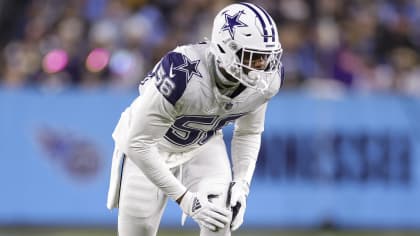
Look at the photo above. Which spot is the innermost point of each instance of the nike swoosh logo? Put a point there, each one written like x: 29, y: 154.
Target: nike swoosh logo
x: 171, y: 72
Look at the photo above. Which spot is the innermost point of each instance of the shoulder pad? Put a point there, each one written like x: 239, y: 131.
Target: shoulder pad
x: 173, y: 74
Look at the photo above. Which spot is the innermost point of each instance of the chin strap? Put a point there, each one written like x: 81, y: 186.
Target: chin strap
x: 225, y: 82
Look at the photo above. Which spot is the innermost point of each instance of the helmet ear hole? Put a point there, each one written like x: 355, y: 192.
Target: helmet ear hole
x: 233, y: 46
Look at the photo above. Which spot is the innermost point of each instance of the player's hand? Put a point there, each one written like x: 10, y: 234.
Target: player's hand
x: 238, y: 193
x: 203, y: 211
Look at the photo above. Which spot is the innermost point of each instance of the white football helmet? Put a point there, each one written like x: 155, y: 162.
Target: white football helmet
x: 246, y: 45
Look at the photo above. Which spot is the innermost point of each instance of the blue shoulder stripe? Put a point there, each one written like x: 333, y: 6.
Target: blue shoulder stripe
x: 173, y: 75
x: 281, y: 75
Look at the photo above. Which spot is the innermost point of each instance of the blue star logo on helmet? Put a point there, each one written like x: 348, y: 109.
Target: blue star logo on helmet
x: 232, y: 22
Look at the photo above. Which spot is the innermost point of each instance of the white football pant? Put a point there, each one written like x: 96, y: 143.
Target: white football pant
x: 141, y: 203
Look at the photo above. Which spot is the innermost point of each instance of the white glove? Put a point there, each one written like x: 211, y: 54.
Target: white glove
x: 205, y: 213
x: 238, y: 192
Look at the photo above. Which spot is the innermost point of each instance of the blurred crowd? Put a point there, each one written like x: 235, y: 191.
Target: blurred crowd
x: 347, y: 44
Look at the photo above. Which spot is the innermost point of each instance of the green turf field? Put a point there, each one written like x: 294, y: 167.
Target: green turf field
x: 183, y: 232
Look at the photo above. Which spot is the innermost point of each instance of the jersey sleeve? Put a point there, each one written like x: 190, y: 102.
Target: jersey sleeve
x: 150, y: 117
x: 173, y: 73
x: 246, y: 143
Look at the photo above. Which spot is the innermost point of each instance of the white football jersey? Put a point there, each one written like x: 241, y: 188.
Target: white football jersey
x: 180, y: 108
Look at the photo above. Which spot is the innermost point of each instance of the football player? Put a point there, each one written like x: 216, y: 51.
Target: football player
x: 169, y: 141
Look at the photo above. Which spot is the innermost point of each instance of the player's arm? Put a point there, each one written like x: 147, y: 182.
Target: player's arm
x: 246, y: 143
x: 247, y: 136
x: 152, y: 114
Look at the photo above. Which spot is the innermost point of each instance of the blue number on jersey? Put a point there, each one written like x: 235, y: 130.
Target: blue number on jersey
x: 185, y: 129
x: 173, y: 73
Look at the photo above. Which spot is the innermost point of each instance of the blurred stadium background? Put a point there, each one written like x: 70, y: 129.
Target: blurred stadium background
x: 341, y: 150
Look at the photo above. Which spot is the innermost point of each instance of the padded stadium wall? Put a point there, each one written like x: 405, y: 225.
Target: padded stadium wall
x: 350, y: 161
